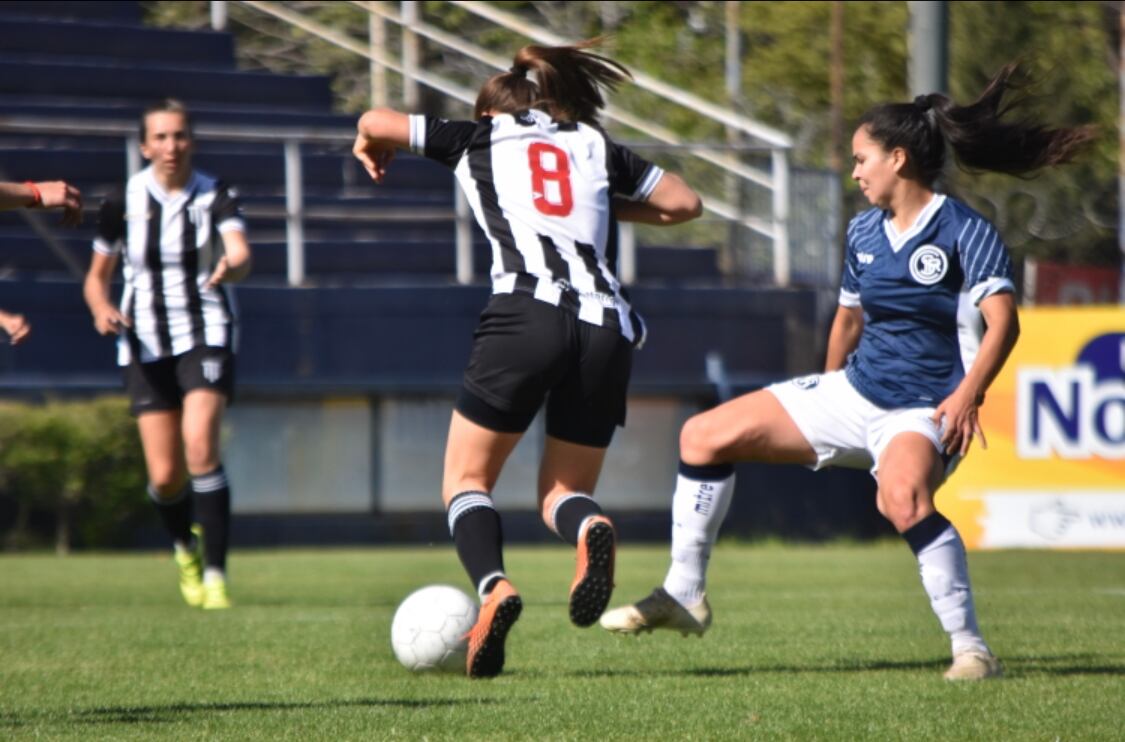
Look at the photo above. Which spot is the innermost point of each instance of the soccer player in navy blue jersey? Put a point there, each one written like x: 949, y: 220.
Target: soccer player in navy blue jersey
x: 546, y: 184
x: 907, y: 363
x: 180, y: 237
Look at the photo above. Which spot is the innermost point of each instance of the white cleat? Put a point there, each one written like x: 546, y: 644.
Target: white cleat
x: 658, y: 611
x: 974, y: 665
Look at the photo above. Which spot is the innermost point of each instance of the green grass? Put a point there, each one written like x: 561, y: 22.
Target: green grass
x: 833, y: 643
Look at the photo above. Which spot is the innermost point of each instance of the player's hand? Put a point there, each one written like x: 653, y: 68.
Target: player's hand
x: 57, y: 194
x: 108, y: 320
x: 16, y: 326
x: 375, y: 157
x: 960, y: 412
x: 221, y: 269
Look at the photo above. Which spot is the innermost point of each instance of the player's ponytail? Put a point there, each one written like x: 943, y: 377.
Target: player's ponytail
x: 568, y: 83
x: 976, y: 133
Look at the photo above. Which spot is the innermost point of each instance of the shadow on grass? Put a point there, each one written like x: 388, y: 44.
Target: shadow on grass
x: 1015, y: 666
x: 172, y: 712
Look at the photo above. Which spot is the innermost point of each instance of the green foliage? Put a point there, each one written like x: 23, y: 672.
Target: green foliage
x: 825, y: 643
x: 1067, y: 213
x: 78, y: 462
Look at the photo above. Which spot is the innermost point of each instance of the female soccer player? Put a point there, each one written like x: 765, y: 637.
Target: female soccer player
x: 906, y: 368
x: 545, y: 183
x: 182, y: 237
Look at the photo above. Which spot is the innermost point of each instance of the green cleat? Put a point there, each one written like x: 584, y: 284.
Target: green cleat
x: 190, y: 562
x: 215, y: 596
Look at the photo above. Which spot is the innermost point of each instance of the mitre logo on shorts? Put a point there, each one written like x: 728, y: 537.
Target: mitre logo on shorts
x: 928, y: 264
x: 806, y: 382
x: 212, y: 369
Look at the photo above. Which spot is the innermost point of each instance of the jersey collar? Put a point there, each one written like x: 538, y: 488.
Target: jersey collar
x: 163, y: 196
x: 924, y: 216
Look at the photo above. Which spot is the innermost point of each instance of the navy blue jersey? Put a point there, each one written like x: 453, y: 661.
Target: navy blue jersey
x: 919, y: 291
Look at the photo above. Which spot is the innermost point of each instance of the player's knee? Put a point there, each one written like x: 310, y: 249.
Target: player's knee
x: 165, y: 480
x: 901, y: 504
x: 697, y: 440
x: 201, y: 454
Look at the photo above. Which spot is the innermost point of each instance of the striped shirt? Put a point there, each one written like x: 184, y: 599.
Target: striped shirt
x: 170, y: 245
x: 919, y: 291
x: 542, y: 192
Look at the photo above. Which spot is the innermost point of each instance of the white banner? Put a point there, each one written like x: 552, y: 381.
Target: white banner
x: 1038, y: 519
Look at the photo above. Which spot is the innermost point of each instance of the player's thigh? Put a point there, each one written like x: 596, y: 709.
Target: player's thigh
x: 568, y: 467
x: 474, y: 457
x: 202, y: 423
x: 909, y: 473
x: 753, y: 427
x: 162, y: 444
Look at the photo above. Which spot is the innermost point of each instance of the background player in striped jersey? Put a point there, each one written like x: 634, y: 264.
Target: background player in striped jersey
x: 182, y: 237
x: 906, y: 369
x: 43, y: 195
x: 545, y: 183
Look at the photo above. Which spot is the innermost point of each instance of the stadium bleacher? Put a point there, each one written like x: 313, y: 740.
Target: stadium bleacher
x: 67, y: 62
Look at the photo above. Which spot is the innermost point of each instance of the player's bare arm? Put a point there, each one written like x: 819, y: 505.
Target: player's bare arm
x: 108, y: 319
x: 236, y: 261
x: 960, y: 409
x: 53, y: 194
x: 379, y: 133
x: 843, y: 338
x: 672, y: 201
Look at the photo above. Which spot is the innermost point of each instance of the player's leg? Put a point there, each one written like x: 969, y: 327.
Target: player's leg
x: 585, y: 407
x: 155, y: 402
x: 568, y: 475
x: 474, y: 457
x: 753, y: 427
x: 909, y: 473
x: 206, y: 375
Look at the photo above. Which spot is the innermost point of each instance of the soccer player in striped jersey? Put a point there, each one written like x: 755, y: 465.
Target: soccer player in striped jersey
x: 180, y: 236
x: 546, y: 184
x: 907, y: 364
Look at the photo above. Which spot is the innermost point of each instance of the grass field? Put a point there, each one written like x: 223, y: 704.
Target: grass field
x: 833, y: 643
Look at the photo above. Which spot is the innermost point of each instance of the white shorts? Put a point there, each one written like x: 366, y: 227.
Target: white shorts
x: 843, y: 427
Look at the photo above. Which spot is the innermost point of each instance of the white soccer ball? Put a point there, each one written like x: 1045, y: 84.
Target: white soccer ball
x: 429, y: 628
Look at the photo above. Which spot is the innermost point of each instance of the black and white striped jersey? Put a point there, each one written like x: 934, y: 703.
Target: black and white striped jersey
x: 541, y: 190
x: 170, y: 245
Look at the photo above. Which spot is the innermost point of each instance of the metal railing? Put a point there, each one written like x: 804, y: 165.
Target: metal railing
x: 414, y: 29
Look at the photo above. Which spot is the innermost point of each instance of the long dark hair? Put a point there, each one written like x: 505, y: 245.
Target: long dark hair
x: 980, y: 140
x: 568, y: 83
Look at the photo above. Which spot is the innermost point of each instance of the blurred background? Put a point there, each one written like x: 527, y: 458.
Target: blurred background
x: 357, y: 320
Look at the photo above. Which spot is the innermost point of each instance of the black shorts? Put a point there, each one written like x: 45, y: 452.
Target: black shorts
x: 526, y: 351
x: 162, y: 384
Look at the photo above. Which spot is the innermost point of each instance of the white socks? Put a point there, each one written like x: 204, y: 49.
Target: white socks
x: 699, y: 505
x: 945, y: 577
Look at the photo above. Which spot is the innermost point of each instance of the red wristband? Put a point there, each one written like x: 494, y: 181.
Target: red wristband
x: 36, y: 196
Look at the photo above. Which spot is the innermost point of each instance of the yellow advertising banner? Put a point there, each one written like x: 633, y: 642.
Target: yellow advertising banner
x: 1053, y: 475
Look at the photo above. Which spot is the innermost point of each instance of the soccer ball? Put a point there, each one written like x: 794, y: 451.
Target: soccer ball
x: 429, y: 628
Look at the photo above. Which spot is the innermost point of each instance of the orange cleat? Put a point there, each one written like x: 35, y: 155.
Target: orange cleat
x: 593, y: 578
x: 501, y: 608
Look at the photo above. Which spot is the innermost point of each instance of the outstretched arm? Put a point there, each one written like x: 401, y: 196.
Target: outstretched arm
x: 379, y: 133
x: 44, y: 195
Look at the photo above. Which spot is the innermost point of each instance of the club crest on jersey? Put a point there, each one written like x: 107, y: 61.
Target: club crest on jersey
x: 212, y: 369
x: 928, y: 264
